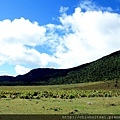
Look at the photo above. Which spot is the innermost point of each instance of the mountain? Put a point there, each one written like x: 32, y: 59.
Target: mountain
x: 105, y: 68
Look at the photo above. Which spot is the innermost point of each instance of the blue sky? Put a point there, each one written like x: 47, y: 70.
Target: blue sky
x: 42, y: 11
x: 57, y: 34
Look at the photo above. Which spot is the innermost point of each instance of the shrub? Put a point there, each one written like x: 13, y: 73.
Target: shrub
x: 83, y: 95
x: 101, y: 95
x: 109, y: 95
x: 37, y: 97
x: 35, y: 93
x: 28, y: 97
x: 12, y: 96
x: 50, y: 94
x: 105, y: 95
x: 116, y: 95
x: 91, y: 95
x: 71, y: 96
x: 63, y: 96
x: 3, y: 96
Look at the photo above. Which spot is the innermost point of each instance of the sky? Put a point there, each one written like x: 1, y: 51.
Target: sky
x: 56, y: 33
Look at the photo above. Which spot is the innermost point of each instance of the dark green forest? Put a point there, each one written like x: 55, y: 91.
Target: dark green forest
x: 106, y: 68
x: 103, y: 69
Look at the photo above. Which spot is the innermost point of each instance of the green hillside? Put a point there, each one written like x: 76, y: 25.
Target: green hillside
x: 106, y: 68
x: 103, y: 69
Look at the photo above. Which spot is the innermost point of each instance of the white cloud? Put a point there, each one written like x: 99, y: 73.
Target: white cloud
x: 18, y: 39
x: 89, y: 5
x: 20, y: 70
x: 81, y: 37
x: 21, y: 31
x: 88, y: 36
x: 63, y: 9
x: 15, y: 39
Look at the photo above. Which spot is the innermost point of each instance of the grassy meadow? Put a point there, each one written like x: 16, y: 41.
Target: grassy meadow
x: 82, y: 98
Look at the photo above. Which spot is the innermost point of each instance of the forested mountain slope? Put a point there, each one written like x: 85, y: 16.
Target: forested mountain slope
x: 106, y: 68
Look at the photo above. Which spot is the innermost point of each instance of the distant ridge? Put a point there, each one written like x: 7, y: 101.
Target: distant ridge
x: 105, y: 68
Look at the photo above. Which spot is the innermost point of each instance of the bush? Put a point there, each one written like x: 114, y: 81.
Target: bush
x: 13, y: 96
x: 3, y: 96
x: 71, y: 96
x: 35, y: 93
x: 109, y: 95
x: 101, y: 95
x: 83, y: 95
x: 91, y: 95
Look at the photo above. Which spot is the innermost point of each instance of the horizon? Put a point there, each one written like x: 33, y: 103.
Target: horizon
x: 56, y: 34
x: 61, y: 68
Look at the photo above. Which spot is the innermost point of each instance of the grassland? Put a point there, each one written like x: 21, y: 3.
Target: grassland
x: 84, y: 98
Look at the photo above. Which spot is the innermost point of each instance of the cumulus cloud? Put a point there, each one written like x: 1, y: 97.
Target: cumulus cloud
x: 81, y: 37
x: 88, y: 35
x: 89, y: 5
x: 21, y: 69
x: 21, y: 31
x: 16, y: 36
x: 63, y: 9
x: 18, y: 39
